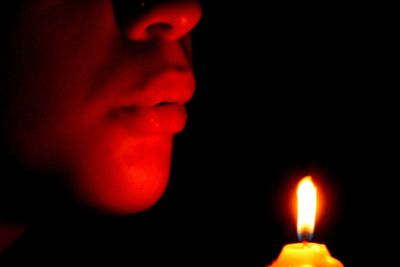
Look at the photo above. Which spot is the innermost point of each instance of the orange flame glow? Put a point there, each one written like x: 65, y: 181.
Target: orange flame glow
x: 306, y: 208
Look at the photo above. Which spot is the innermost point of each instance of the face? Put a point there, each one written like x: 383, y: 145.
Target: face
x: 95, y: 90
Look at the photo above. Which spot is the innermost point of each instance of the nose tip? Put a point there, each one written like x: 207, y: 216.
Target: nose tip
x: 169, y: 20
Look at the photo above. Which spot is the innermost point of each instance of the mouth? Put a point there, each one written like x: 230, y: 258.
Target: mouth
x: 167, y: 87
x: 163, y: 118
x: 158, y: 106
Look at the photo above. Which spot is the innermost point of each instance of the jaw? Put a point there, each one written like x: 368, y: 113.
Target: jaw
x: 124, y: 174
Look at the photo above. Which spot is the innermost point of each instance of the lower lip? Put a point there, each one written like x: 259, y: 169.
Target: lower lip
x: 168, y: 118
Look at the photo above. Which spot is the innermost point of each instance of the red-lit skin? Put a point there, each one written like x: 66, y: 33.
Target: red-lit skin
x: 8, y: 233
x: 86, y: 94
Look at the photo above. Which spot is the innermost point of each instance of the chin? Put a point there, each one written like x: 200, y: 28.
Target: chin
x: 124, y: 199
x: 123, y: 176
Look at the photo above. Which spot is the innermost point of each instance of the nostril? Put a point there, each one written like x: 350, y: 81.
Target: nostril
x: 159, y: 28
x: 165, y: 103
x: 168, y: 19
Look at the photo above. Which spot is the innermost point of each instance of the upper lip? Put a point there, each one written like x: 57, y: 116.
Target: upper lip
x: 169, y: 86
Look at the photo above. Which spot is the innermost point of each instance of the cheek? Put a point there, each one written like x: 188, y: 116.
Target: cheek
x: 37, y: 128
x: 50, y: 64
x: 117, y: 173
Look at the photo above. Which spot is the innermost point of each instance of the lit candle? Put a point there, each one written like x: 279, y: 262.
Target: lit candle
x: 306, y: 254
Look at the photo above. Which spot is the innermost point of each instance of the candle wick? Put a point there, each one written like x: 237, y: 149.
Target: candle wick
x: 305, y: 237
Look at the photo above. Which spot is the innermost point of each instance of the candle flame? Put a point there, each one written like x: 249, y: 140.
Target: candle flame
x: 306, y: 208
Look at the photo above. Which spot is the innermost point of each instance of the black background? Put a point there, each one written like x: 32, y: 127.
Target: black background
x: 287, y: 90
x: 284, y: 91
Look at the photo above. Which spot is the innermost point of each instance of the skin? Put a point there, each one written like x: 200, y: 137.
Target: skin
x: 95, y: 94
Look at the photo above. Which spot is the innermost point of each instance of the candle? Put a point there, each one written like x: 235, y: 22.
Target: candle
x: 305, y: 253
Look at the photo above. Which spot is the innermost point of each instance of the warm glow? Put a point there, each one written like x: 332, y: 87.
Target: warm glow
x: 306, y: 208
x: 306, y: 254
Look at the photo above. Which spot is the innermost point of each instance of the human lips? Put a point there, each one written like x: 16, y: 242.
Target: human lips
x: 162, y: 118
x: 170, y: 86
x: 157, y: 106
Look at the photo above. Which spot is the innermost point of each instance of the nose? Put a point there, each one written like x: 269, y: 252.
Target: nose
x: 165, y: 19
